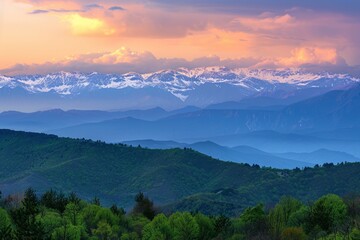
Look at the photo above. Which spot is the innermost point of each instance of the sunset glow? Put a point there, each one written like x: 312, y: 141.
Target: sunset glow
x: 87, y: 26
x: 38, y: 36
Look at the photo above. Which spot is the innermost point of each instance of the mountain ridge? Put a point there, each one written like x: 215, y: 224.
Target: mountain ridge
x: 250, y: 155
x: 199, y: 87
x: 341, y: 109
x: 67, y: 83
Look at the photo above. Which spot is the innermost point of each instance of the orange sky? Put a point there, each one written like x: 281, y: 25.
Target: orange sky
x: 36, y: 33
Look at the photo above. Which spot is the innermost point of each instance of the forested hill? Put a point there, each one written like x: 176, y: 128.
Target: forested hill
x: 178, y: 178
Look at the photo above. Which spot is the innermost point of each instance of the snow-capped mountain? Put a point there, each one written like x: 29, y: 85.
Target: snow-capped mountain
x: 200, y: 86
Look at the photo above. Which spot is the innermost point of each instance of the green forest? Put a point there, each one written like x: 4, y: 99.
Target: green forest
x: 176, y: 179
x: 54, y: 215
x: 165, y: 194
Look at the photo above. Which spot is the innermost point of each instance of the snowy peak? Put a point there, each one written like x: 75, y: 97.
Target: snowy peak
x: 181, y: 82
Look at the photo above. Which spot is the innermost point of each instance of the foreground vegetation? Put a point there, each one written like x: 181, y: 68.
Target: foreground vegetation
x: 56, y: 216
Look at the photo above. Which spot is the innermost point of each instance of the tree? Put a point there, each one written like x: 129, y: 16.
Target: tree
x: 88, y: 216
x: 6, y: 231
x: 328, y: 212
x: 293, y: 233
x: 299, y: 218
x: 24, y: 218
x: 289, y: 205
x: 105, y: 231
x: 158, y: 229
x: 117, y: 211
x: 253, y: 220
x: 353, y: 204
x: 355, y: 234
x: 67, y: 232
x: 136, y: 223
x: 48, y: 199
x: 50, y: 220
x: 96, y: 201
x: 277, y: 221
x: 221, y: 225
x: 130, y: 236
x: 280, y: 215
x: 105, y: 214
x: 206, y: 226
x: 144, y: 206
x: 184, y: 226
x: 54, y: 200
x: 72, y: 213
x: 73, y: 198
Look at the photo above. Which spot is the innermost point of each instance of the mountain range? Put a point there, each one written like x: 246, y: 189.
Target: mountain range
x: 329, y: 121
x: 271, y: 129
x: 168, y: 88
x: 56, y: 118
x: 327, y: 112
x: 282, y: 114
x: 253, y: 156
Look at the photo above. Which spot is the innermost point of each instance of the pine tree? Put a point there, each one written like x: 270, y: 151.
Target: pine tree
x: 144, y: 206
x: 24, y: 218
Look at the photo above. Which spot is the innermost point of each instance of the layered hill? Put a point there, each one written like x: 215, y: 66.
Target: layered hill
x: 330, y: 121
x: 251, y: 155
x: 327, y: 112
x: 42, y: 121
x: 116, y: 173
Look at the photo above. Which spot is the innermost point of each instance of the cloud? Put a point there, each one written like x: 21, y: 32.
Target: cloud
x: 311, y: 55
x: 116, y: 8
x: 139, y: 20
x: 84, y: 9
x: 310, y: 58
x: 38, y: 11
x: 91, y: 6
x: 245, y: 7
x: 142, y: 23
x: 88, y: 26
x: 122, y: 55
x: 260, y: 23
x: 124, y: 60
x: 227, y: 28
x: 296, y: 20
x: 66, y: 10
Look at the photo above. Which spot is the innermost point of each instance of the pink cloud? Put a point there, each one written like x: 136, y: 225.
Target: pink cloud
x: 311, y: 55
x: 264, y: 23
x: 124, y: 60
x: 271, y: 34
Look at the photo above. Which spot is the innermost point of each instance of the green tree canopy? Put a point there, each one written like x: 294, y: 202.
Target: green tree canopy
x: 184, y: 226
x: 328, y: 212
x: 158, y: 229
x: 6, y: 231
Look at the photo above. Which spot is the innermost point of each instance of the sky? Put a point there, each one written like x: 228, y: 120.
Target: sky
x: 118, y: 36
